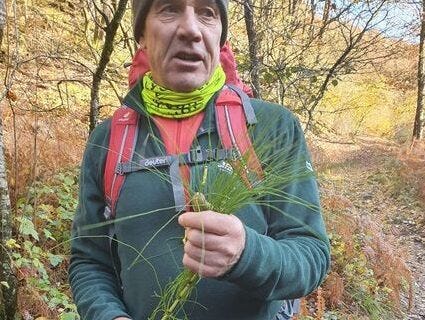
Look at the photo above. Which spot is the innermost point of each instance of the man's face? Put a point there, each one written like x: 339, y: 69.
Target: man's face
x: 182, y: 42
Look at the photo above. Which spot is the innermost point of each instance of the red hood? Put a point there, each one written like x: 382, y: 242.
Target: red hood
x: 140, y: 66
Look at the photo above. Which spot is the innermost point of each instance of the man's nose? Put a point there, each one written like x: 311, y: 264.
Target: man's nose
x: 189, y: 26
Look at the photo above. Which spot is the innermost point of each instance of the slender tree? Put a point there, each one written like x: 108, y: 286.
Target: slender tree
x: 2, y: 20
x: 419, y: 125
x: 253, y: 47
x: 8, y: 283
x: 292, y: 6
x: 108, y: 47
x: 326, y: 9
x: 101, y: 14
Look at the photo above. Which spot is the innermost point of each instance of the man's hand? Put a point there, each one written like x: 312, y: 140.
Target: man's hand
x: 214, y: 242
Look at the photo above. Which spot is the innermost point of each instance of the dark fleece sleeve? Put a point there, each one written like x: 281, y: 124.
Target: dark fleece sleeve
x: 292, y: 259
x: 94, y: 283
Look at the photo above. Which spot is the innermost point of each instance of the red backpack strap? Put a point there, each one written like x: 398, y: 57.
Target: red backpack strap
x: 122, y: 141
x: 233, y: 112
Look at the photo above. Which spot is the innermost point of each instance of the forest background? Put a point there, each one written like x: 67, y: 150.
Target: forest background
x: 348, y: 68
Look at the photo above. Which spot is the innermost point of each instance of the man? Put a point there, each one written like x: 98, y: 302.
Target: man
x: 249, y: 261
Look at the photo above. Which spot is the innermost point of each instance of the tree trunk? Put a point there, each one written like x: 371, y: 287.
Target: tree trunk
x: 102, y: 17
x: 292, y: 6
x: 8, y: 283
x: 2, y: 20
x: 253, y: 47
x: 326, y: 9
x: 108, y: 47
x: 1, y: 36
x: 419, y: 125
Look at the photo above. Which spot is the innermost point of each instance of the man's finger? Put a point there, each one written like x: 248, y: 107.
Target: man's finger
x: 200, y: 268
x: 208, y: 241
x: 209, y: 258
x: 209, y: 221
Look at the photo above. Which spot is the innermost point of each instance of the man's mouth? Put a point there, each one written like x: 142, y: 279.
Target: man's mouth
x: 188, y: 56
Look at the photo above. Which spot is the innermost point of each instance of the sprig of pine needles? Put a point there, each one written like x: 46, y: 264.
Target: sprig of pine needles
x: 223, y: 187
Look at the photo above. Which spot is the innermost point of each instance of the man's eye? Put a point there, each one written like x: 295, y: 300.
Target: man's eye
x: 169, y: 9
x: 208, y: 12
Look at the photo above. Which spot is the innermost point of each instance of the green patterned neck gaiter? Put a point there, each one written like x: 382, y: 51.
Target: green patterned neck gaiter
x: 177, y: 105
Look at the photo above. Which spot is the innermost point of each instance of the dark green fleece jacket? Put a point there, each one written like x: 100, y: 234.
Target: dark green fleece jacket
x: 286, y: 254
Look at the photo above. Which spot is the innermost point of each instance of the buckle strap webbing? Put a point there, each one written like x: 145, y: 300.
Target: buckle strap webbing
x: 246, y: 104
x: 194, y: 156
x: 233, y: 133
x: 145, y: 164
x: 177, y: 185
x: 199, y: 155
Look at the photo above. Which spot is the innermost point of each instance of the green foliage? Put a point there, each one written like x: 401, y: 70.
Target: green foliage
x: 69, y: 316
x: 330, y: 315
x: 44, y: 220
x: 392, y: 179
x: 361, y: 284
x: 26, y: 228
x: 367, y: 105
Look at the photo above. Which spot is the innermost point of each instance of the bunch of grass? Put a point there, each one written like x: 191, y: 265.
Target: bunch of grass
x: 181, y: 288
x: 226, y: 187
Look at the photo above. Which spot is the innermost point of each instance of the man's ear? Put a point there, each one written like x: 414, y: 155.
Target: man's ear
x: 142, y: 43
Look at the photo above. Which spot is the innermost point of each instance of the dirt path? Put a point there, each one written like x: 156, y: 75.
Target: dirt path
x: 367, y: 174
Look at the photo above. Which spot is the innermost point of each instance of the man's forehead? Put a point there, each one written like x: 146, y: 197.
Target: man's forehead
x: 188, y: 2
